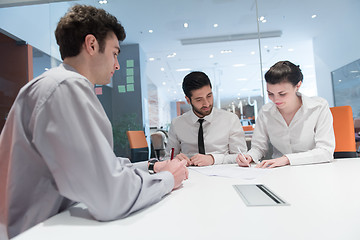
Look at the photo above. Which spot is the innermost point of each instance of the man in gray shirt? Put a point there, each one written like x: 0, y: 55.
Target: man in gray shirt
x: 56, y: 147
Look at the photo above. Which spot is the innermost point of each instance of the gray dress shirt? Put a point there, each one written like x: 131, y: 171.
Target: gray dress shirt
x: 223, y: 135
x: 57, y: 149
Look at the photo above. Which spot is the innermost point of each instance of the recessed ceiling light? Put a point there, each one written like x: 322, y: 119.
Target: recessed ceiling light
x: 171, y: 55
x: 174, y: 92
x: 216, y: 25
x: 314, y: 16
x: 186, y: 25
x: 265, y: 46
x: 252, y: 53
x: 262, y: 19
x: 241, y: 79
x: 339, y: 80
x: 164, y: 83
x: 211, y: 56
x: 183, y: 69
x: 290, y: 49
x: 162, y: 69
x: 226, y: 51
x: 151, y: 59
x: 103, y: 2
x: 239, y: 65
x: 151, y: 31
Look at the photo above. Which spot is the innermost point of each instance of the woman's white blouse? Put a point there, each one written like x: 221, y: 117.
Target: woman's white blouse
x: 309, y: 138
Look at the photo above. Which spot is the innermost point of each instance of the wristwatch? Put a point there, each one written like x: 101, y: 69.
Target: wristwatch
x: 151, y: 165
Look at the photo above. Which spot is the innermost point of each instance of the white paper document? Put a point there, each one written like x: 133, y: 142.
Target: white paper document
x: 231, y: 171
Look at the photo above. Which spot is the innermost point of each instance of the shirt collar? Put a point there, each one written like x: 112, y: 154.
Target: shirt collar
x: 207, y: 118
x: 70, y: 68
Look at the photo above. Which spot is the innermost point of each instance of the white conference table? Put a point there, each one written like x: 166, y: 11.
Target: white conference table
x: 324, y: 204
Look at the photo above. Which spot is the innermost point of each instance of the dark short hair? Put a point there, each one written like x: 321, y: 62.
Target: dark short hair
x: 193, y: 81
x: 82, y: 20
x: 284, y: 71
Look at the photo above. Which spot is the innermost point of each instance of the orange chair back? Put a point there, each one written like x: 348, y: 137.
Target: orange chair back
x: 248, y: 128
x: 137, y: 139
x: 343, y: 129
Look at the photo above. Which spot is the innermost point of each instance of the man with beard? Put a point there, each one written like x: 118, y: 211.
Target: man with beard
x: 205, y: 135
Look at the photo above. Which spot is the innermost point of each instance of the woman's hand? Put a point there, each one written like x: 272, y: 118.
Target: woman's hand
x: 276, y: 162
x: 243, y: 162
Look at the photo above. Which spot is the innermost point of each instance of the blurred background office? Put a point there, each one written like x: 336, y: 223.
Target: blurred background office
x: 233, y: 41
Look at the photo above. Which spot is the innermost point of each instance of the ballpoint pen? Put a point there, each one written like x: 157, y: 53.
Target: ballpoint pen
x: 243, y: 156
x: 172, y: 153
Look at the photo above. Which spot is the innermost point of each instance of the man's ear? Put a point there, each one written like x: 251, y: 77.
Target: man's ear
x: 90, y: 44
x: 188, y: 100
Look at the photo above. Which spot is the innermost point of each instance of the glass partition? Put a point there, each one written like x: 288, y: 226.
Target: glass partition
x: 234, y: 42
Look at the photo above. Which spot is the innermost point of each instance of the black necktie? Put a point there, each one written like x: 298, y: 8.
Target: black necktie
x: 201, y: 138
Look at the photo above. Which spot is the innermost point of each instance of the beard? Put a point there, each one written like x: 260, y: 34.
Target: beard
x: 201, y: 112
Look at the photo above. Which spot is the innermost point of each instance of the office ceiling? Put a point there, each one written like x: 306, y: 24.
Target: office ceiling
x: 170, y: 48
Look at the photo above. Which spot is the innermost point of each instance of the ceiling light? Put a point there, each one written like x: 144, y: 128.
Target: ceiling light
x: 265, y: 46
x: 262, y: 19
x: 278, y: 47
x: 211, y: 56
x: 171, y: 55
x: 151, y: 59
x: 164, y: 83
x: 186, y: 25
x: 314, y: 16
x: 216, y: 25
x: 162, y: 69
x: 339, y: 80
x: 226, y: 51
x: 103, y: 2
x: 183, y: 69
x: 239, y: 65
x: 151, y: 31
x: 242, y: 79
x: 290, y: 49
x: 233, y: 37
x: 252, y: 53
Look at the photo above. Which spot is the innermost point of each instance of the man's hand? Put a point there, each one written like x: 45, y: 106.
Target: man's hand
x: 176, y: 167
x: 202, y: 160
x: 181, y: 157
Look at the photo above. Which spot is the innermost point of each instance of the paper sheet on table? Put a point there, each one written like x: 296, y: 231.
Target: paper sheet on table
x: 232, y: 171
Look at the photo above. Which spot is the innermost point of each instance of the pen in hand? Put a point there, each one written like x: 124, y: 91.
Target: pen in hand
x: 248, y: 164
x: 172, y: 153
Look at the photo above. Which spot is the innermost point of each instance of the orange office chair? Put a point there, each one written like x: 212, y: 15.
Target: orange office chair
x: 138, y: 146
x: 248, y: 128
x: 345, y: 146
